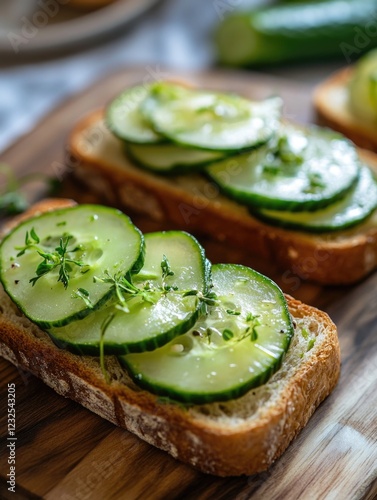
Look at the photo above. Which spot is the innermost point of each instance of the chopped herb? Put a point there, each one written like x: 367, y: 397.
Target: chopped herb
x: 315, y: 183
x: 227, y: 334
x: 208, y: 334
x: 166, y: 269
x: 83, y: 294
x: 251, y: 317
x: 272, y: 170
x: 305, y: 333
x: 232, y: 312
x: 62, y: 223
x: 311, y: 344
x: 105, y: 325
x: 254, y: 334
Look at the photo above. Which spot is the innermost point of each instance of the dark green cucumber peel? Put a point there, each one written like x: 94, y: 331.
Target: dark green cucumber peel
x: 107, y: 238
x: 354, y: 208
x: 170, y: 159
x: 161, y: 315
x: 236, y: 346
x: 209, y: 120
x: 305, y: 170
x: 281, y: 33
x: 124, y: 119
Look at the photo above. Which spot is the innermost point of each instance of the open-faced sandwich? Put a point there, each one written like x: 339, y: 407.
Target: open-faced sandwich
x: 302, y: 197
x: 211, y: 363
x: 348, y: 101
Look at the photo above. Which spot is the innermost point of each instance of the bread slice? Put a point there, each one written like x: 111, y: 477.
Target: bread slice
x: 242, y: 436
x: 194, y: 203
x: 331, y: 105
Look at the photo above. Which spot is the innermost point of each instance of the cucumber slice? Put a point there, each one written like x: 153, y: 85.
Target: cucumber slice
x: 237, y: 345
x: 154, y: 316
x: 210, y: 120
x: 355, y: 207
x: 307, y: 169
x: 99, y: 238
x: 124, y: 119
x: 170, y: 158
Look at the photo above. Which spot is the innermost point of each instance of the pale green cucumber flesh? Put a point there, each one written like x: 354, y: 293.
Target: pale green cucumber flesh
x: 200, y: 367
x: 106, y: 238
x: 363, y: 88
x: 354, y: 208
x: 210, y: 120
x: 170, y: 158
x: 147, y: 325
x: 307, y: 169
x: 124, y: 119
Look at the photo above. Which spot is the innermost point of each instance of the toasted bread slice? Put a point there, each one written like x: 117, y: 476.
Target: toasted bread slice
x: 332, y: 108
x: 242, y: 436
x: 193, y: 203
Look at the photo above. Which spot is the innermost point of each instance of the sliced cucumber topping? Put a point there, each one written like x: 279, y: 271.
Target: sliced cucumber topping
x: 355, y: 207
x: 306, y: 170
x: 237, y: 345
x: 163, y: 301
x: 47, y: 263
x: 210, y: 120
x: 170, y: 158
x: 125, y: 120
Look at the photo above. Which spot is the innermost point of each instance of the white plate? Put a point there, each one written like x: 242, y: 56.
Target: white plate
x: 38, y: 30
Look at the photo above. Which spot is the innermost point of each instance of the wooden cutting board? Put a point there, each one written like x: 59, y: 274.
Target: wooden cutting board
x: 64, y: 452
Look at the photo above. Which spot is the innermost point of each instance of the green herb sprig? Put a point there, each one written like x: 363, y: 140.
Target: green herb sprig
x: 59, y: 259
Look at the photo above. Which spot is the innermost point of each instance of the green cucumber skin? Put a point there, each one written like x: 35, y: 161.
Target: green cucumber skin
x: 135, y: 266
x: 122, y: 349
x: 201, y: 398
x: 369, y: 196
x: 176, y: 169
x: 154, y: 108
x: 284, y: 33
x: 237, y: 390
x: 253, y: 202
x: 150, y: 136
x: 242, y: 177
x: 158, y: 340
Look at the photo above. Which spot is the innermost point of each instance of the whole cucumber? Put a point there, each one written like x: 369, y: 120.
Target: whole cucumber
x: 295, y: 32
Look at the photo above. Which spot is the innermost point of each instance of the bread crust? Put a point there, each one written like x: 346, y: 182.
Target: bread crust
x: 194, y: 203
x: 217, y: 446
x: 211, y: 447
x: 331, y: 106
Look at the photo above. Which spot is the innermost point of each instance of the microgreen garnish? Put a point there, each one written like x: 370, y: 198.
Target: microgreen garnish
x: 311, y: 344
x: 305, y: 333
x: 59, y: 259
x: 316, y: 183
x: 125, y: 290
x: 165, y: 267
x: 232, y: 312
x: 82, y: 293
x: 105, y: 325
x: 227, y: 334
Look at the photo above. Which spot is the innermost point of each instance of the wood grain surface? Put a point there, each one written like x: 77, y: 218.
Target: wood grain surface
x: 65, y: 452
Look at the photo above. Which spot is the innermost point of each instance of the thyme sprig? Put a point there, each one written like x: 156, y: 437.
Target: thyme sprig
x: 125, y: 290
x: 59, y: 259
